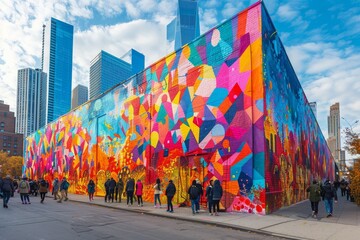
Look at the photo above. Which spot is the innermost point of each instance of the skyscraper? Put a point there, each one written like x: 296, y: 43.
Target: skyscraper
x: 31, y: 100
x: 334, y: 131
x: 186, y: 26
x: 107, y: 70
x: 79, y: 95
x: 60, y: 69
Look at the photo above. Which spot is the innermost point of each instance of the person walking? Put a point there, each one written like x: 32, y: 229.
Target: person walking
x: 91, y: 189
x: 329, y: 194
x: 193, y: 194
x: 170, y: 193
x: 139, y: 193
x: 217, y: 194
x: 348, y: 192
x: 56, y: 187
x: 112, y: 185
x: 42, y: 190
x: 107, y: 190
x: 64, y: 186
x: 209, y: 196
x: 119, y: 190
x: 157, y: 192
x: 130, y: 187
x: 200, y: 188
x: 7, y: 187
x: 24, y: 189
x: 314, y: 191
x: 342, y: 187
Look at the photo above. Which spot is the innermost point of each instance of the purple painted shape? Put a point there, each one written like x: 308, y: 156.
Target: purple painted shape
x: 202, y: 53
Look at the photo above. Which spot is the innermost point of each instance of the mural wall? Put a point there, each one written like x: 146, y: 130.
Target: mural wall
x: 197, y: 113
x: 296, y: 151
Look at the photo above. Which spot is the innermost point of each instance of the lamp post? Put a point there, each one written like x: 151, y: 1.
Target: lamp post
x: 350, y: 125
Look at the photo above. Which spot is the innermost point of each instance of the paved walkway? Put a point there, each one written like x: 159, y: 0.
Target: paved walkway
x: 293, y: 222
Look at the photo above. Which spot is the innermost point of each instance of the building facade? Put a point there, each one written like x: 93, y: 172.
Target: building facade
x: 79, y: 96
x: 226, y: 106
x: 10, y: 142
x: 60, y: 69
x: 106, y: 70
x: 334, y: 131
x: 185, y: 27
x: 31, y: 101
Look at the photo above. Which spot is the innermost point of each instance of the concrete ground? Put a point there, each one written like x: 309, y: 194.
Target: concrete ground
x: 294, y: 222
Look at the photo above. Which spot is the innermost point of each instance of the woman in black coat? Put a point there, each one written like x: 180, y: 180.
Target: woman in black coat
x: 170, y: 192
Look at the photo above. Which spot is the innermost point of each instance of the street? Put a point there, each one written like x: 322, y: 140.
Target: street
x: 71, y: 220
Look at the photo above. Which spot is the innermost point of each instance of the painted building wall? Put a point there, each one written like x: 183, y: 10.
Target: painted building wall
x: 197, y: 113
x: 296, y: 151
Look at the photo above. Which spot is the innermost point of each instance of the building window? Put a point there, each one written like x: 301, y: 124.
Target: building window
x: 4, y: 144
x: 15, y: 145
x: 4, y: 137
x: 8, y: 151
x: 2, y: 124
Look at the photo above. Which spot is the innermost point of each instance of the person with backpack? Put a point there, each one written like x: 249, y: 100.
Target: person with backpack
x: 43, y: 189
x: 64, y: 186
x: 314, y: 191
x: 157, y: 192
x: 91, y: 189
x: 119, y: 190
x: 329, y: 194
x: 24, y: 189
x: 170, y: 193
x: 194, y: 194
x: 139, y: 192
x: 56, y: 187
x: 209, y: 196
x: 7, y: 187
x: 217, y: 194
x: 130, y: 187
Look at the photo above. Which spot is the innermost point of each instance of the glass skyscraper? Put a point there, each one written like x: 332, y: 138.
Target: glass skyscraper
x: 60, y: 69
x: 31, y: 100
x: 79, y: 95
x: 185, y: 27
x: 106, y: 70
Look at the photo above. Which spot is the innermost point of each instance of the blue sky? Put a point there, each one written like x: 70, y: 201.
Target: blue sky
x: 322, y: 39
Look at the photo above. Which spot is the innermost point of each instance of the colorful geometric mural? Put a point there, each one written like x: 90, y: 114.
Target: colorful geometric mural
x: 201, y: 112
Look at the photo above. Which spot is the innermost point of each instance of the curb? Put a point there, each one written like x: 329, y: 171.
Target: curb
x: 217, y: 224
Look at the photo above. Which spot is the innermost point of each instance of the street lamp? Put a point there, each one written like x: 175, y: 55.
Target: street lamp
x: 350, y: 125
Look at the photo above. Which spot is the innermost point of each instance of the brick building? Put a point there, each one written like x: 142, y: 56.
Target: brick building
x: 10, y: 142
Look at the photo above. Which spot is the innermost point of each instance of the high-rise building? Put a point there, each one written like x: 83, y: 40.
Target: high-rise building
x: 60, y: 69
x: 10, y: 142
x: 186, y: 26
x: 31, y: 101
x: 79, y: 95
x: 106, y: 70
x: 313, y: 108
x: 334, y: 130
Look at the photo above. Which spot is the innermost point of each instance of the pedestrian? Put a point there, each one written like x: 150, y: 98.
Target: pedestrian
x: 24, y: 189
x: 194, y: 194
x: 217, y: 194
x: 314, y: 191
x: 130, y: 187
x: 170, y: 193
x: 107, y: 190
x: 56, y: 187
x: 119, y: 189
x: 348, y: 191
x: 42, y: 190
x: 64, y: 186
x: 139, y: 192
x: 342, y: 187
x: 91, y: 189
x: 157, y: 192
x: 200, y: 188
x: 329, y: 194
x: 7, y: 188
x: 112, y: 185
x: 209, y: 196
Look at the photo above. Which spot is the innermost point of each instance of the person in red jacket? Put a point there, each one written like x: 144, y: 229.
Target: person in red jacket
x: 139, y: 192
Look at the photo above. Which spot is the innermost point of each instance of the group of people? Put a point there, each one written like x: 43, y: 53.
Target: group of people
x: 25, y: 187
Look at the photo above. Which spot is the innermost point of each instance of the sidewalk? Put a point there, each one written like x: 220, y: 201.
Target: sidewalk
x: 293, y: 222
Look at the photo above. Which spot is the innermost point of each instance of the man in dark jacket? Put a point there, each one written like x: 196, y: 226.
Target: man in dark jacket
x: 112, y: 185
x: 328, y: 194
x: 170, y: 192
x: 194, y: 194
x: 209, y: 196
x: 200, y: 188
x: 119, y: 189
x: 130, y: 187
x: 107, y: 190
x: 7, y: 187
x: 314, y: 191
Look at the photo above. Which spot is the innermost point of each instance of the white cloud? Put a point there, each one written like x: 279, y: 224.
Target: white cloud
x: 286, y: 12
